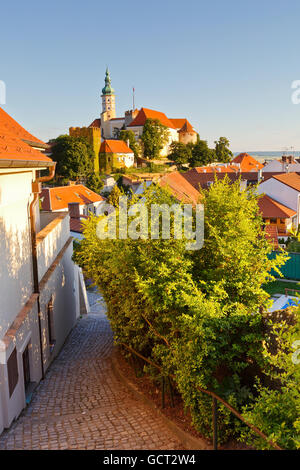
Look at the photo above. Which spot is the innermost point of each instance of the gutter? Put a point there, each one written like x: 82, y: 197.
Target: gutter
x: 36, y: 189
x: 25, y: 163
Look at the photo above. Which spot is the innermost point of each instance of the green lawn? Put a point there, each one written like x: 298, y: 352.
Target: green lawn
x: 278, y: 287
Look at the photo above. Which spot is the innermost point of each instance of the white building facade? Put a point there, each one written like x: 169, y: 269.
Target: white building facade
x: 40, y: 285
x: 284, y: 189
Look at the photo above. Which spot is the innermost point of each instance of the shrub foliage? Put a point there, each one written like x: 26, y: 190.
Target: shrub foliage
x: 201, y: 315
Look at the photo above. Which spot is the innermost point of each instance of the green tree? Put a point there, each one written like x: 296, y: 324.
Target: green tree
x: 179, y: 153
x: 128, y: 135
x: 74, y: 157
x: 202, y: 154
x: 94, y: 182
x: 236, y: 254
x: 114, y: 195
x: 155, y: 135
x: 223, y: 153
x: 198, y: 315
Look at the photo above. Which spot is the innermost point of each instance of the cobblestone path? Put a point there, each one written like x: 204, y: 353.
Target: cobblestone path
x: 82, y: 405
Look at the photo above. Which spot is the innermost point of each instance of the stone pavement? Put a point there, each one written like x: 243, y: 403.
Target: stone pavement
x: 82, y: 405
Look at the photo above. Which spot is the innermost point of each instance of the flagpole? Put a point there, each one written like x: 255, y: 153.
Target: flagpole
x: 133, y: 97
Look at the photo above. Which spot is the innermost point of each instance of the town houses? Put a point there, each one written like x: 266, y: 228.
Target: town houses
x: 41, y: 290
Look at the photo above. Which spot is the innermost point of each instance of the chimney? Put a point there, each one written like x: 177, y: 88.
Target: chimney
x: 73, y: 208
x: 259, y: 175
x: 127, y: 142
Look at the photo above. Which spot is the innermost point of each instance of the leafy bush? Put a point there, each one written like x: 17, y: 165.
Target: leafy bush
x: 198, y: 315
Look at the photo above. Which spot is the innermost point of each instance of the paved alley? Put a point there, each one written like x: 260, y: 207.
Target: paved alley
x: 82, y: 405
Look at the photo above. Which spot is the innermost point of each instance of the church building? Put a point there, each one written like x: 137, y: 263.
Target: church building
x: 107, y: 128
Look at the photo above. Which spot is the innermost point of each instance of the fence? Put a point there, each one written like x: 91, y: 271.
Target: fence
x: 291, y: 269
x: 215, y: 400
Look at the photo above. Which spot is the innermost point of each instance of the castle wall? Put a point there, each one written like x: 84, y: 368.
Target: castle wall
x: 93, y: 135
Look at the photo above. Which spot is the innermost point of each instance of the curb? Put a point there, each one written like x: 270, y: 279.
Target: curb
x: 188, y: 441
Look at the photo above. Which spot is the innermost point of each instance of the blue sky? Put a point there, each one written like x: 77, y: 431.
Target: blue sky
x: 227, y: 66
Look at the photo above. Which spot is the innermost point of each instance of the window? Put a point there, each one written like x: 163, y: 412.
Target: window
x: 50, y: 321
x: 12, y: 371
x: 273, y: 221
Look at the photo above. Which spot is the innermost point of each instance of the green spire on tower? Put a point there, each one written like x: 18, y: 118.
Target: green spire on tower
x: 107, y: 90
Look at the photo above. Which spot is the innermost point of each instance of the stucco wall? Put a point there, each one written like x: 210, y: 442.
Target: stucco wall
x: 62, y: 288
x: 282, y: 193
x: 15, y: 246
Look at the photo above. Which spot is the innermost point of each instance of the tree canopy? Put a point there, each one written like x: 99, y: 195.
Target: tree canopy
x: 128, y: 135
x: 201, y: 315
x: 155, y: 135
x: 74, y: 156
x: 222, y: 151
x: 180, y: 153
x: 202, y: 154
x: 94, y: 182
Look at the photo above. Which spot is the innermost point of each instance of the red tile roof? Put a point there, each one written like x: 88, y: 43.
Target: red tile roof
x: 247, y: 163
x: 272, y: 235
x: 196, y: 177
x: 54, y: 199
x: 269, y: 208
x: 290, y: 179
x: 9, y: 125
x: 96, y: 123
x: 114, y: 146
x: 146, y: 113
x: 76, y: 225
x: 12, y: 148
x: 182, y: 125
x: 12, y: 145
x: 180, y: 188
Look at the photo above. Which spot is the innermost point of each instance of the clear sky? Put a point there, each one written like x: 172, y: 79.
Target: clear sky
x: 227, y: 66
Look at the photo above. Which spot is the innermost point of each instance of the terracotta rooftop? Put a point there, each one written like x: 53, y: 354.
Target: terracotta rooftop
x: 9, y: 125
x: 180, y: 187
x: 14, y: 147
x: 76, y: 224
x: 146, y: 113
x: 57, y: 198
x: 96, y: 123
x: 290, y: 179
x: 183, y: 125
x: 247, y: 163
x: 196, y: 177
x: 269, y: 208
x: 114, y: 146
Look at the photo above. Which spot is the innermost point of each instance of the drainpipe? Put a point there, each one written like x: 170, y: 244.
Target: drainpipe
x: 36, y: 189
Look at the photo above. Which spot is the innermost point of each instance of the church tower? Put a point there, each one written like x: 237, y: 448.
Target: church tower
x: 108, y: 99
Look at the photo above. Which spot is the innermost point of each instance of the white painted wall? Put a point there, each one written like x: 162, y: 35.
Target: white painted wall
x: 282, y: 193
x: 276, y: 165
x: 16, y: 287
x: 16, y: 283
x: 127, y: 158
x: 63, y: 286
